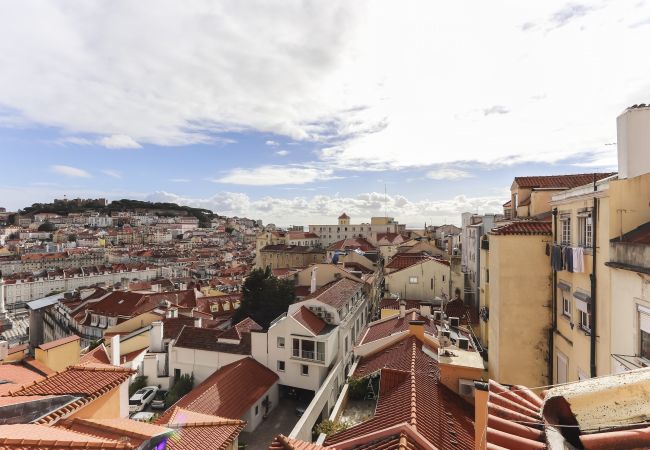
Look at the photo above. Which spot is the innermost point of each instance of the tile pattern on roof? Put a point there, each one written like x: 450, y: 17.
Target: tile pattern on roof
x: 560, y: 181
x: 228, y: 392
x: 33, y: 436
x: 523, y: 227
x: 207, y: 339
x: 98, y: 355
x: 514, y: 418
x: 402, y: 260
x: 309, y: 320
x: 352, y: 244
x: 395, y: 324
x: 337, y: 293
x: 201, y: 431
x: 415, y: 398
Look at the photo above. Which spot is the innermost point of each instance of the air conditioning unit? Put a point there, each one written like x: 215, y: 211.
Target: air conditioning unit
x: 466, y: 388
x: 463, y: 343
x: 454, y: 322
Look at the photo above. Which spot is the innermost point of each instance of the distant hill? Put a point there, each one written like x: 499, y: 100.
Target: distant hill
x: 124, y: 205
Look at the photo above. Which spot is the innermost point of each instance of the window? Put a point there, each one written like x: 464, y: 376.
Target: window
x: 644, y: 332
x: 566, y: 230
x: 304, y: 370
x: 432, y: 284
x: 413, y: 280
x: 280, y: 342
x: 257, y: 409
x: 585, y: 228
x: 280, y: 366
x: 346, y: 344
x: 562, y: 368
x: 566, y: 304
x: 584, y: 320
x: 443, y: 278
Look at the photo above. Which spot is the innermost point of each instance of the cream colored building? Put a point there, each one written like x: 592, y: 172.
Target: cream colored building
x: 425, y: 280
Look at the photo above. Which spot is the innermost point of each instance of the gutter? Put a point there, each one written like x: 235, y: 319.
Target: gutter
x: 594, y: 221
x: 551, y: 332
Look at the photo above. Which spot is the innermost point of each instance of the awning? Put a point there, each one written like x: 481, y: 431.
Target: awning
x: 584, y: 301
x: 564, y: 286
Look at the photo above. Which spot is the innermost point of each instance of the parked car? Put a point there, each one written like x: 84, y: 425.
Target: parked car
x: 143, y: 416
x: 158, y: 401
x: 142, y: 398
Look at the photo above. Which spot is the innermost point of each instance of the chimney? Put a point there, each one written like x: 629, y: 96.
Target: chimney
x: 425, y: 309
x: 156, y: 337
x: 4, y: 350
x: 416, y: 328
x: 312, y: 287
x: 481, y: 393
x: 402, y: 309
x: 115, y: 350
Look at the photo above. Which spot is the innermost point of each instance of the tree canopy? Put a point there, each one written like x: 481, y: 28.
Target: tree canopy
x: 265, y: 297
x: 47, y: 226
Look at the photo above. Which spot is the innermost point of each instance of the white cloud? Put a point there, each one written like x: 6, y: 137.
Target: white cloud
x: 180, y: 180
x: 316, y: 209
x: 118, y: 141
x: 272, y: 143
x: 112, y: 173
x: 448, y: 174
x: 333, y: 75
x: 282, y: 152
x: 69, y: 171
x: 275, y: 175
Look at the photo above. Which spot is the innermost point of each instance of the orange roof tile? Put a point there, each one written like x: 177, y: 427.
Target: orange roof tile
x: 560, y: 181
x: 309, y: 320
x: 98, y: 355
x: 33, y: 436
x: 230, y: 391
x: 523, y: 227
x: 337, y: 293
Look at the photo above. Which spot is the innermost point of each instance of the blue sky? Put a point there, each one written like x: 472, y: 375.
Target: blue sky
x: 293, y: 112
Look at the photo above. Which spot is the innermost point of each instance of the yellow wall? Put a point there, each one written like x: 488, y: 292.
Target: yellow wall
x: 485, y: 295
x: 105, y: 407
x: 399, y: 281
x: 58, y: 358
x: 139, y: 321
x: 520, y: 309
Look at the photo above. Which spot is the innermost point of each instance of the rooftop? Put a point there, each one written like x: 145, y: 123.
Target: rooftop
x: 523, y: 227
x: 560, y: 181
x: 337, y: 293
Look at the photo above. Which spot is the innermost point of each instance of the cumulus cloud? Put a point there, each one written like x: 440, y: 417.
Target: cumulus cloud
x: 333, y: 76
x: 282, y: 152
x: 69, y: 171
x: 304, y: 210
x: 275, y: 175
x: 448, y: 174
x: 272, y: 143
x: 118, y: 141
x: 112, y: 173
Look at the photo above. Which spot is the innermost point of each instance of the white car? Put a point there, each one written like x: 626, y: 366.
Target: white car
x: 142, y: 398
x: 143, y: 416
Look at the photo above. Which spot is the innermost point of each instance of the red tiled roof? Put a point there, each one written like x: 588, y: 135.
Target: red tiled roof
x: 523, y: 227
x: 393, y: 303
x: 640, y: 235
x: 344, y: 216
x: 309, y: 320
x: 337, y: 293
x: 509, y: 408
x: 202, y: 431
x: 130, y: 304
x: 33, y: 436
x: 352, y: 244
x: 281, y: 442
x: 207, y: 339
x: 415, y: 400
x: 390, y: 237
x: 402, y: 260
x: 16, y: 374
x: 132, y: 432
x: 228, y: 392
x: 302, y: 235
x: 245, y: 326
x: 173, y: 325
x: 457, y: 308
x: 560, y: 181
x: 62, y: 341
x: 98, y: 355
x: 395, y: 324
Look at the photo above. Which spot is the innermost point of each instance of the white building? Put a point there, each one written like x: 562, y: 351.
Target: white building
x: 473, y: 227
x: 329, y: 234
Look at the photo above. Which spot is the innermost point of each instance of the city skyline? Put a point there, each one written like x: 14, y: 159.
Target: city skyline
x: 301, y: 111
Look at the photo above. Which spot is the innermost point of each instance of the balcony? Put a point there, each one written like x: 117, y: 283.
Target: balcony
x: 308, y: 355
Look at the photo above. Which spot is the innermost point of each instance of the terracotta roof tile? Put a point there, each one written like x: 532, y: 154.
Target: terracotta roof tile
x: 640, y: 235
x: 309, y: 320
x: 33, y: 436
x: 244, y: 327
x: 560, y: 181
x: 230, y: 391
x: 402, y: 260
x: 523, y: 227
x: 395, y: 324
x: 207, y: 339
x: 98, y: 355
x: 16, y: 374
x: 352, y: 244
x: 281, y: 442
x: 337, y: 293
x: 173, y: 325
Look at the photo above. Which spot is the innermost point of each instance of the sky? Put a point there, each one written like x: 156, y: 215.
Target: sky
x: 296, y: 111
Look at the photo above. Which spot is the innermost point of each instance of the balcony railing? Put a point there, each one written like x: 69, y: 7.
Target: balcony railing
x: 307, y: 354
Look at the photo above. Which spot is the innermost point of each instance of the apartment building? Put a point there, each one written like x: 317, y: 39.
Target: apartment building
x: 282, y: 256
x: 344, y: 229
x: 422, y: 277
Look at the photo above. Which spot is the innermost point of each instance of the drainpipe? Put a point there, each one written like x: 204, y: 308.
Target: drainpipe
x: 594, y: 221
x: 551, y: 332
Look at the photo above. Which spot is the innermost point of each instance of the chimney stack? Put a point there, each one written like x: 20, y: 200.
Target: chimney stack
x: 425, y: 309
x: 115, y: 350
x: 156, y: 337
x: 312, y: 287
x: 402, y: 309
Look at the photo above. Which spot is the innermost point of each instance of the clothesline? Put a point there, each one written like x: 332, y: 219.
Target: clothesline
x: 565, y: 257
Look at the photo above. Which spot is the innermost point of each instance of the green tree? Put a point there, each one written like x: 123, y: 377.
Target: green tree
x: 265, y: 297
x: 182, y: 386
x: 72, y: 238
x: 47, y: 226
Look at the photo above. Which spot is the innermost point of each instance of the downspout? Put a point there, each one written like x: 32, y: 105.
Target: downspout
x: 594, y: 221
x: 551, y: 333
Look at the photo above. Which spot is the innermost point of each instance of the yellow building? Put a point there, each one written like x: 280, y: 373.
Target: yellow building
x: 518, y: 289
x: 283, y: 256
x: 59, y: 354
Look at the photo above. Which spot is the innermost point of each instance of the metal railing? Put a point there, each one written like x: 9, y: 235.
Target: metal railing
x: 308, y: 354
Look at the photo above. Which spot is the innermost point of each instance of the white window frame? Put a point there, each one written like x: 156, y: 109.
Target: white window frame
x: 565, y: 223
x: 585, y: 230
x: 585, y: 319
x: 283, y: 342
x: 284, y: 364
x: 413, y: 280
x: 566, y: 303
